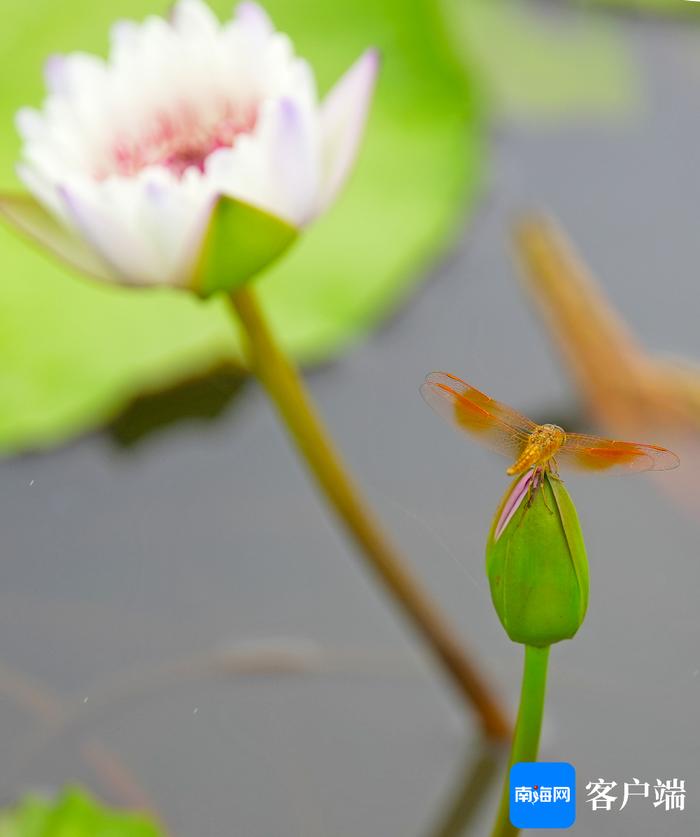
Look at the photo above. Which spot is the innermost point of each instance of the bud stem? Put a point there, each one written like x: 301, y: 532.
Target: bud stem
x: 527, y: 729
x: 286, y: 389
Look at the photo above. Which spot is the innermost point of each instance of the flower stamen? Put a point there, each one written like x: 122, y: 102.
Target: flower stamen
x: 180, y: 142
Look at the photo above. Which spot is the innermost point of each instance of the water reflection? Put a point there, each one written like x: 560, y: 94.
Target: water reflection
x: 91, y: 737
x: 481, y: 770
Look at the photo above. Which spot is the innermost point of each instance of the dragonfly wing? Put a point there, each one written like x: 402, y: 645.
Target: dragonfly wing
x: 507, y: 415
x: 493, y: 424
x: 593, y: 453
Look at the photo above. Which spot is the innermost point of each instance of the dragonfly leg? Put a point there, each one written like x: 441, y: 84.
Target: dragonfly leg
x: 534, y: 486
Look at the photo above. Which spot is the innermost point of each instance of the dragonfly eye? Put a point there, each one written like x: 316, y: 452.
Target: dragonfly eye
x: 556, y: 433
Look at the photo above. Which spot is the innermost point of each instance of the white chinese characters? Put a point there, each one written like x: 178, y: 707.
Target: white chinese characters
x: 601, y: 798
x: 542, y: 794
x: 669, y: 793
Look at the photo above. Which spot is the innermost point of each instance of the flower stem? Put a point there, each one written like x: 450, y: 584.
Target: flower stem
x: 527, y: 729
x: 286, y: 389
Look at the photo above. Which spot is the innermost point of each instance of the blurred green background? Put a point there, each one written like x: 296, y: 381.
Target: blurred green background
x: 74, y: 354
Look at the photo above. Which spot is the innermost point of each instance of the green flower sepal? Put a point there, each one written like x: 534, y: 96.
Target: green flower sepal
x: 536, y: 562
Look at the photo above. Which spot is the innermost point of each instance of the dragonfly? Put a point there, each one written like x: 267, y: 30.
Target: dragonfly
x: 535, y: 446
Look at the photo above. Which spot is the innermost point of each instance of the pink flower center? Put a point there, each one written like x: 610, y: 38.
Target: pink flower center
x: 179, y: 141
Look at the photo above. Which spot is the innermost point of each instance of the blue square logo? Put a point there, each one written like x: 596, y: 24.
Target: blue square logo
x: 542, y: 794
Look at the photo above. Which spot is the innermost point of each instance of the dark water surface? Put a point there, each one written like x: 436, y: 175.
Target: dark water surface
x: 140, y: 585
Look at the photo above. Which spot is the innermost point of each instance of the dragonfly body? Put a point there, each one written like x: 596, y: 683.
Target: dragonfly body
x: 542, y: 445
x: 530, y: 445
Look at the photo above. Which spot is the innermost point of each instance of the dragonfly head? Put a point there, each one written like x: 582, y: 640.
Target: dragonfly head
x: 556, y: 434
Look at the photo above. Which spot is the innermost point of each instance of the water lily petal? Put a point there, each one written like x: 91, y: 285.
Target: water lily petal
x: 29, y: 217
x: 343, y: 116
x: 513, y: 501
x: 254, y: 18
x: 122, y: 253
x: 292, y: 151
x: 194, y: 18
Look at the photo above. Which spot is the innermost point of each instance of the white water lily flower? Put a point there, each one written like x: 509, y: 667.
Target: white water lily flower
x: 191, y: 156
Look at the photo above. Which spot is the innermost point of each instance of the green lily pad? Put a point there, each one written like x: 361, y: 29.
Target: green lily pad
x: 532, y: 66
x: 74, y: 353
x: 73, y: 814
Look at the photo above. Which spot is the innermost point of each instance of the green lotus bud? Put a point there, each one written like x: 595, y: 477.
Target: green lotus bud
x: 536, y: 562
